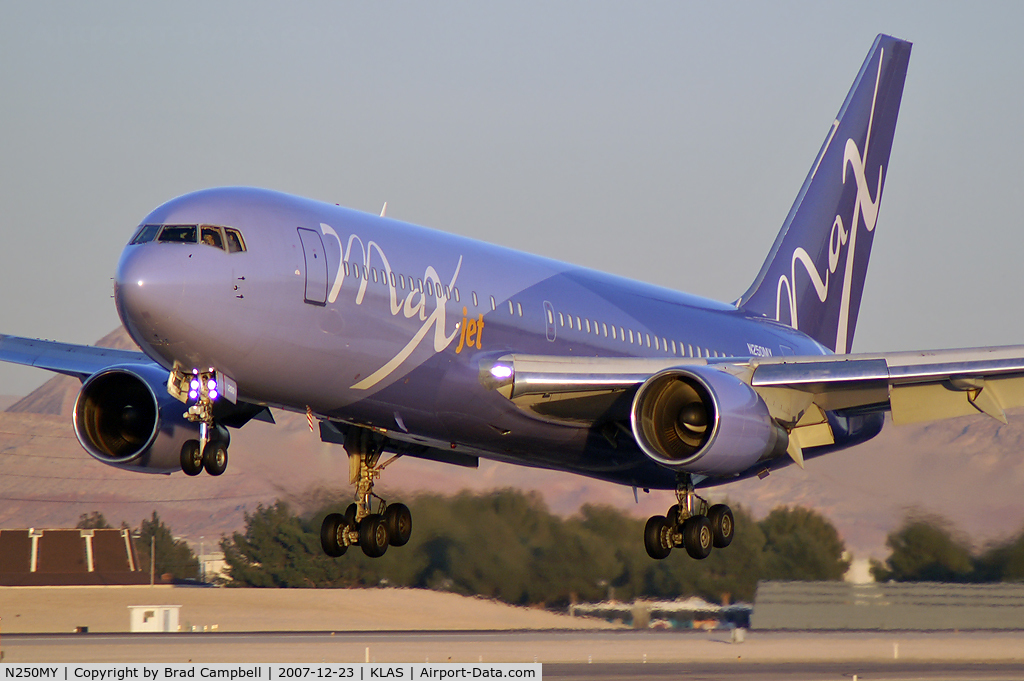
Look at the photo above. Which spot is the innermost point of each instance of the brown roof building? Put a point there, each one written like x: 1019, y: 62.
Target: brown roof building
x: 36, y: 557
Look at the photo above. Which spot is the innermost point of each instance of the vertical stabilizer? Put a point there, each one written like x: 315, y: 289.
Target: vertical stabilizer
x: 813, y: 277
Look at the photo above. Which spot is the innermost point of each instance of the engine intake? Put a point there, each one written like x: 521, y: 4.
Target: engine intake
x: 125, y: 418
x: 702, y: 420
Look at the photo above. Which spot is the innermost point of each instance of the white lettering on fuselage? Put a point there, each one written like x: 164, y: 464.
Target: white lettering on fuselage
x: 758, y: 350
x: 864, y: 208
x: 413, y: 305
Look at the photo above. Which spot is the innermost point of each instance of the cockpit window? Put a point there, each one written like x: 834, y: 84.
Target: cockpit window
x: 145, y: 234
x: 178, y: 234
x: 235, y: 243
x: 211, y: 237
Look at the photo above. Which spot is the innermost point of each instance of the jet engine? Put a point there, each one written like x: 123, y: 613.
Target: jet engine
x: 124, y: 417
x: 702, y: 420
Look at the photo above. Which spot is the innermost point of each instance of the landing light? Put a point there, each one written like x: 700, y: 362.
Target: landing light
x: 501, y: 371
x: 194, y: 385
x: 213, y: 393
x: 212, y: 385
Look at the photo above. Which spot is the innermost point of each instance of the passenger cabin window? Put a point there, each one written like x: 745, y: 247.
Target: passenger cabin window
x: 178, y: 234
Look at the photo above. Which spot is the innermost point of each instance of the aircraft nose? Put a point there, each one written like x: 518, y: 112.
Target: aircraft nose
x: 148, y: 290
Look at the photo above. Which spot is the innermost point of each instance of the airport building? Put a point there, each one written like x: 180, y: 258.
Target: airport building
x: 62, y: 557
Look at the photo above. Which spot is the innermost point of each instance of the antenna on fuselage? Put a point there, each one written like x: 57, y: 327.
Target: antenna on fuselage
x: 384, y: 210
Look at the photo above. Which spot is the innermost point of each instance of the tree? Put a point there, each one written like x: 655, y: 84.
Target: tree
x: 1002, y: 562
x: 92, y: 521
x: 173, y: 556
x: 925, y: 549
x: 801, y: 544
x: 508, y: 545
x: 278, y: 550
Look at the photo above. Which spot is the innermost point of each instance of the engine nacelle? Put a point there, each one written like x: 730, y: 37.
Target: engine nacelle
x: 702, y: 420
x: 125, y: 418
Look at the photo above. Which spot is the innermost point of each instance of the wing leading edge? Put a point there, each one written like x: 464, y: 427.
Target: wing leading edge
x: 80, y: 361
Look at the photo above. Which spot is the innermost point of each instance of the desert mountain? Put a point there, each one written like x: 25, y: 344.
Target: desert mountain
x: 969, y: 469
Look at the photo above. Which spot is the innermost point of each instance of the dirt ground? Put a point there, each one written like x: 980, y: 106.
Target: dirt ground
x: 105, y: 609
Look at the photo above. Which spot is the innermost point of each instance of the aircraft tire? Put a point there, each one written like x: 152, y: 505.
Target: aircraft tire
x: 723, y: 527
x: 656, y: 539
x: 698, y: 537
x: 373, y: 535
x: 333, y: 523
x: 350, y: 517
x: 673, y: 515
x: 398, y: 518
x: 215, y: 458
x: 191, y: 458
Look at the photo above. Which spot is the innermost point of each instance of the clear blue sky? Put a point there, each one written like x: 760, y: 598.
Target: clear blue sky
x: 661, y: 141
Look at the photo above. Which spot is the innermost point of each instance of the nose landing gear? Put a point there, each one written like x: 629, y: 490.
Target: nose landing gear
x: 359, y: 526
x: 210, y: 451
x: 692, y: 524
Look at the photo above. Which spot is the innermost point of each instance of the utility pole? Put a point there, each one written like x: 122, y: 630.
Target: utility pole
x: 152, y: 559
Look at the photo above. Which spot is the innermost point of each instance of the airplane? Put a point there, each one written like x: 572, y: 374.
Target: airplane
x: 401, y: 340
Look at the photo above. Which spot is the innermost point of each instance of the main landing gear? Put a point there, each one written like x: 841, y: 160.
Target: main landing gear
x: 692, y: 523
x: 374, y: 532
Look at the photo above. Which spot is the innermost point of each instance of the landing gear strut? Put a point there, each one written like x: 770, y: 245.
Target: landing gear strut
x: 210, y: 451
x: 391, y: 525
x: 692, y: 523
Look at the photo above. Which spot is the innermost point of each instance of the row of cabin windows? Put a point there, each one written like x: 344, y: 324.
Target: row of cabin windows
x: 223, y: 238
x: 628, y: 336
x: 400, y: 281
x: 516, y: 309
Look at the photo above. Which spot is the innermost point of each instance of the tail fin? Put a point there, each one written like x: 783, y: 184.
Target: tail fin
x: 813, y: 277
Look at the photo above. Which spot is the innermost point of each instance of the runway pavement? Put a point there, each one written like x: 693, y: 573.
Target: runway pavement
x: 982, y: 656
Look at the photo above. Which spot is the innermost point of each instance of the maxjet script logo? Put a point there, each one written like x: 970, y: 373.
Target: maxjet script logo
x: 430, y: 309
x: 865, y: 208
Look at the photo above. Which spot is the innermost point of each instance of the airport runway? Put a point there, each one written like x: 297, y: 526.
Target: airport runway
x: 608, y: 655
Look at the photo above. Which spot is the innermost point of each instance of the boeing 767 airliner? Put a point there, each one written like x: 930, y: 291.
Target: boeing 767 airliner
x: 403, y: 340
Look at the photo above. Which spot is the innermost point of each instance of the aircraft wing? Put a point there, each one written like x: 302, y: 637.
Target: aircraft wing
x: 914, y: 386
x: 80, y: 361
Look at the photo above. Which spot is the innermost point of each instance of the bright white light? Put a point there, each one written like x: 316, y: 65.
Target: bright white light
x: 501, y: 371
x: 212, y: 385
x: 140, y: 282
x: 193, y: 394
x: 213, y: 394
x: 194, y: 385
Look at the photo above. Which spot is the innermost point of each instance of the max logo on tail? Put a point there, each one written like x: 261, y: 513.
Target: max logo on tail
x: 865, y: 208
